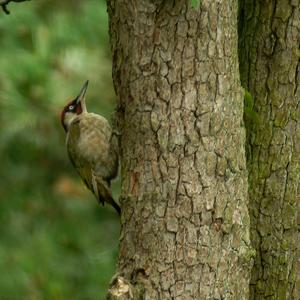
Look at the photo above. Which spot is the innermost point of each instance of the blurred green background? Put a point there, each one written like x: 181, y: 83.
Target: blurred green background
x: 55, y: 241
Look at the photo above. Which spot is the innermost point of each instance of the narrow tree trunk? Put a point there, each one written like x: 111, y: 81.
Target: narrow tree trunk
x: 185, y: 225
x: 269, y: 56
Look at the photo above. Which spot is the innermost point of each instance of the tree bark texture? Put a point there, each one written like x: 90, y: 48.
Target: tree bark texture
x: 269, y: 65
x: 185, y: 224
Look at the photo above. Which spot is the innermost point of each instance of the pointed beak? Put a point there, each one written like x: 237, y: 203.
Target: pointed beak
x: 81, y: 95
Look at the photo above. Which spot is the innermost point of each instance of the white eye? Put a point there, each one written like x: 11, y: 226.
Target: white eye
x: 71, y: 107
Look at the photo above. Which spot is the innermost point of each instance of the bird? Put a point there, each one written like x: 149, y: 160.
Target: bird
x: 92, y: 147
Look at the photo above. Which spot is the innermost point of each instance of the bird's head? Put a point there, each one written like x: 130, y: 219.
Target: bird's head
x: 74, y: 108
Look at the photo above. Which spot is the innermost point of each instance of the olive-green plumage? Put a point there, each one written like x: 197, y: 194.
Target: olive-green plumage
x: 92, y: 147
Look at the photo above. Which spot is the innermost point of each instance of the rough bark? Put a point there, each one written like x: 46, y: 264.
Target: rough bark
x: 269, y: 65
x: 185, y: 225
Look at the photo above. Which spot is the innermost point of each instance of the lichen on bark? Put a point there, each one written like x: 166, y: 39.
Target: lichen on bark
x: 269, y: 39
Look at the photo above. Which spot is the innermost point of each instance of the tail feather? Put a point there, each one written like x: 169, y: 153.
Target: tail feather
x: 115, y: 205
x: 102, y: 192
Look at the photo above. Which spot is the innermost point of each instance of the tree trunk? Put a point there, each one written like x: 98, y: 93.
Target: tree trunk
x: 269, y: 65
x: 185, y: 224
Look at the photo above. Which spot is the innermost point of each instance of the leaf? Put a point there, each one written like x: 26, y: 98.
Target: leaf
x: 248, y: 100
x: 249, y: 113
x: 195, y: 3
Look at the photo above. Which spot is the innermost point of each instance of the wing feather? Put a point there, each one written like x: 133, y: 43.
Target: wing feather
x: 81, y: 164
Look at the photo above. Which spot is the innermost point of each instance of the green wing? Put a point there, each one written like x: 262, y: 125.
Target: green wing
x: 81, y: 165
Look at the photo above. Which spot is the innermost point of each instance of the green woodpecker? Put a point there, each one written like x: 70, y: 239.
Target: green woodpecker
x: 92, y: 147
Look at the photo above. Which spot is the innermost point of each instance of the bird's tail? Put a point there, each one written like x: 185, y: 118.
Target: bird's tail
x: 114, y: 205
x: 102, y: 191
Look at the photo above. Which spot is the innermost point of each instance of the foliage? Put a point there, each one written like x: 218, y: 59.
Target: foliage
x: 249, y: 113
x: 56, y: 243
x: 195, y: 3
